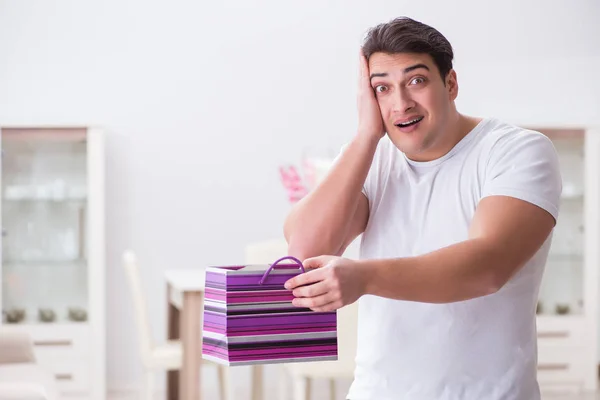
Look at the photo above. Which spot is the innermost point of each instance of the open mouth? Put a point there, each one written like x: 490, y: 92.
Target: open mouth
x: 410, y: 123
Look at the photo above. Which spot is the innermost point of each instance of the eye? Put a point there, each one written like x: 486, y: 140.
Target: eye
x: 417, y: 80
x: 380, y: 88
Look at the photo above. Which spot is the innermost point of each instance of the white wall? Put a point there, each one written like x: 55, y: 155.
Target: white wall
x: 203, y: 100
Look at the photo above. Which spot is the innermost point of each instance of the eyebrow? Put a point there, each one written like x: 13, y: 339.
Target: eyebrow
x: 406, y: 70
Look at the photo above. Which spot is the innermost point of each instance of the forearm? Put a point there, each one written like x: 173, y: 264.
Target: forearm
x: 319, y: 223
x: 462, y: 271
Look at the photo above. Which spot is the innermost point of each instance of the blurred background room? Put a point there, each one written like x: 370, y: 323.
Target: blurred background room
x: 184, y: 131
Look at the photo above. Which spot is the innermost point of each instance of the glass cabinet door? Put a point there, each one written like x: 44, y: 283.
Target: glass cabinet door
x: 562, y: 290
x: 44, y: 202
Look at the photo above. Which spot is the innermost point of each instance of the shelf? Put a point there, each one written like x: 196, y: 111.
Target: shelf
x: 44, y: 263
x: 572, y: 191
x: 550, y: 309
x: 565, y: 261
x: 565, y: 258
x: 28, y: 313
x: 55, y: 193
x: 61, y: 325
x: 56, y: 285
x: 553, y: 314
x: 561, y: 133
x: 552, y: 318
x: 31, y: 199
x: 53, y: 134
x: 572, y: 196
x: 32, y: 319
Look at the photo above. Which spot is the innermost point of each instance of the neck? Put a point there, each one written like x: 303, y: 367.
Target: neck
x: 462, y: 126
x: 457, y: 128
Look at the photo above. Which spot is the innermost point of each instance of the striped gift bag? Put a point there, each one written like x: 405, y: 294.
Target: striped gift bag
x: 249, y: 318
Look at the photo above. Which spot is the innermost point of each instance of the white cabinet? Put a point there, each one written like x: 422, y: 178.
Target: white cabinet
x: 568, y: 301
x: 53, y: 250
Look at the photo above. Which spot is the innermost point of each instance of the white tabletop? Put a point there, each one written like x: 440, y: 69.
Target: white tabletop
x: 185, y: 280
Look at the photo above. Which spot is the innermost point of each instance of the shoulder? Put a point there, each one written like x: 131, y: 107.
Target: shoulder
x: 522, y: 163
x: 504, y: 140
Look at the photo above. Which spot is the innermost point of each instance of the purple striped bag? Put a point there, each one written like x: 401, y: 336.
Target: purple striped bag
x: 249, y: 318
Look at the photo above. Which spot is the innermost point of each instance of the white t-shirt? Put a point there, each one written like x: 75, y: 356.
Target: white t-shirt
x: 484, y: 348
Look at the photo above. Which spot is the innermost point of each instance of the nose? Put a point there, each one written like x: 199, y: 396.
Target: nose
x: 402, y: 102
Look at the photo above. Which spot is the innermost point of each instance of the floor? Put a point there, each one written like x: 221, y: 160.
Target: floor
x: 566, y: 397
x: 324, y: 394
x: 572, y: 397
x: 320, y: 389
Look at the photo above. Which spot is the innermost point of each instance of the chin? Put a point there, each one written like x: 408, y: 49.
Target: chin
x: 413, y: 152
x: 410, y: 145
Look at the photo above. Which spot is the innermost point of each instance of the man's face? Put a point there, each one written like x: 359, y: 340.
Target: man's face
x: 414, y: 102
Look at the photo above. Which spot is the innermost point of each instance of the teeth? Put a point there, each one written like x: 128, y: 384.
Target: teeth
x: 410, y: 122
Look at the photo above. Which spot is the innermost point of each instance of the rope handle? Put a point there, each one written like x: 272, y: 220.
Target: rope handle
x: 262, y: 280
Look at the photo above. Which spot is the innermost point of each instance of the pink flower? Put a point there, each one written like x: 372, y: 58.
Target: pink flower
x: 292, y: 182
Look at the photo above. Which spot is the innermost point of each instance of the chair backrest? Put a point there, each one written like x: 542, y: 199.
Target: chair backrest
x: 16, y: 347
x: 347, y: 334
x: 139, y: 303
x: 266, y: 252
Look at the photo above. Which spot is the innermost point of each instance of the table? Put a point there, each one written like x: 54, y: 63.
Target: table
x: 185, y: 296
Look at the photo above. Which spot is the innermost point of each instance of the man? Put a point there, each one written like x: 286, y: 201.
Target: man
x: 456, y: 214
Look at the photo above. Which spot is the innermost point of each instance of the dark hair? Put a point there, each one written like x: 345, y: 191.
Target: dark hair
x: 405, y: 35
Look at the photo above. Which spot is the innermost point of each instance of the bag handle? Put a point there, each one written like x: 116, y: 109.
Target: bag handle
x: 277, y: 262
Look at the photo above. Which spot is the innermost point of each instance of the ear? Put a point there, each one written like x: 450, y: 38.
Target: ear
x: 452, y: 84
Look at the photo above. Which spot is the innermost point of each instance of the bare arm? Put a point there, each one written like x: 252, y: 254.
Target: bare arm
x: 505, y: 233
x: 329, y: 218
